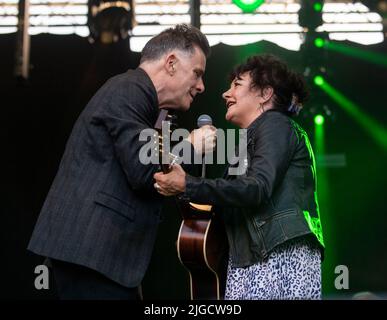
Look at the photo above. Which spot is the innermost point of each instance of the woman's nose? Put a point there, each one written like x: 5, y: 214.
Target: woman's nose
x: 226, y: 94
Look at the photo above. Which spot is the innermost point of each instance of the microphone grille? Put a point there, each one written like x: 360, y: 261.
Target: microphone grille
x: 203, y: 120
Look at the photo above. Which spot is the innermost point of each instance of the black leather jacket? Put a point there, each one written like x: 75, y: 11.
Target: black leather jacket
x: 275, y: 200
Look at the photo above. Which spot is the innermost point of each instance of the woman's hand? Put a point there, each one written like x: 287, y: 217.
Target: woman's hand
x: 203, y: 139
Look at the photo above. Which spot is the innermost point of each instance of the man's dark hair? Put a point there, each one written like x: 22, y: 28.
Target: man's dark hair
x: 268, y: 70
x: 182, y: 37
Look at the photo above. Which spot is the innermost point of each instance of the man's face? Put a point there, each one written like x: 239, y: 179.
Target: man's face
x: 186, y: 81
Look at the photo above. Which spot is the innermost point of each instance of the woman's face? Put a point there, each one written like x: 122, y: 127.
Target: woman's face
x: 242, y: 101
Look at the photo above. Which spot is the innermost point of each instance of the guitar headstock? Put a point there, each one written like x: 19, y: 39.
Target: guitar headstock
x: 165, y: 121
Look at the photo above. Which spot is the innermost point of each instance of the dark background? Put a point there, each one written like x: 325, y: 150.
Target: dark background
x: 66, y: 71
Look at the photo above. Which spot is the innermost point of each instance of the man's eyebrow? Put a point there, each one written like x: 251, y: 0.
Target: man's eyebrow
x: 200, y: 72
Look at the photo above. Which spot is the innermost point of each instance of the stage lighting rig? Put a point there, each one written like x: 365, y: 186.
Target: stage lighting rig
x: 110, y: 21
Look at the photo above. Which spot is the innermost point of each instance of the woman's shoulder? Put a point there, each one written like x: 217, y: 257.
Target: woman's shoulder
x: 275, y: 119
x: 277, y: 125
x: 275, y: 113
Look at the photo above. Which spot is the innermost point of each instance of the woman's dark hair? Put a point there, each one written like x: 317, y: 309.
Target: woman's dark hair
x: 182, y: 37
x: 267, y: 70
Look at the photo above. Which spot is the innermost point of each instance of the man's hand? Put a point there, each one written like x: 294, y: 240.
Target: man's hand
x: 203, y: 139
x: 172, y: 183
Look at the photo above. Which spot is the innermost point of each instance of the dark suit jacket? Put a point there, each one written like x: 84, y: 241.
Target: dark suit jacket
x: 102, y: 211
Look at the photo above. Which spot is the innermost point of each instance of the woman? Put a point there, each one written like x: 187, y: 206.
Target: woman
x: 270, y: 212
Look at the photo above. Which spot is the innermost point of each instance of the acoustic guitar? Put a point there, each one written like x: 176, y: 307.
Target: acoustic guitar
x: 202, y: 245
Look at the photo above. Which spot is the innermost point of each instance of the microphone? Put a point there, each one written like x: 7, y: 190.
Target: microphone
x: 203, y: 120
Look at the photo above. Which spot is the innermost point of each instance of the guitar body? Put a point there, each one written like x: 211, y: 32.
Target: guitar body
x: 202, y: 248
x: 202, y: 245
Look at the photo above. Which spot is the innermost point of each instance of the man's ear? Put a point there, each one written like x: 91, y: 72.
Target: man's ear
x: 170, y: 62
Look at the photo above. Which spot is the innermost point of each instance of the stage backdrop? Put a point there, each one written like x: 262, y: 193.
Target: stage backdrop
x: 66, y: 71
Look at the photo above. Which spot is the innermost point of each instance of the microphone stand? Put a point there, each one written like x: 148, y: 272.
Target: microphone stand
x: 204, y: 166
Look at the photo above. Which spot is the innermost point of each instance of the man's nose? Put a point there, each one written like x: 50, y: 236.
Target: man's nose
x: 200, y: 87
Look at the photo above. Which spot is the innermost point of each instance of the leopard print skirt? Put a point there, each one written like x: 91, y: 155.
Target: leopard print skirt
x: 292, y: 271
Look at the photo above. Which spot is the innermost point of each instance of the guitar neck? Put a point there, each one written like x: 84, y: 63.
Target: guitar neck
x: 165, y: 157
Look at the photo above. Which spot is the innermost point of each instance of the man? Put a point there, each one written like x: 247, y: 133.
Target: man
x: 99, y: 221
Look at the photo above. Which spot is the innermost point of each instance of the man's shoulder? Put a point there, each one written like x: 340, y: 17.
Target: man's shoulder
x: 134, y: 83
x: 135, y: 77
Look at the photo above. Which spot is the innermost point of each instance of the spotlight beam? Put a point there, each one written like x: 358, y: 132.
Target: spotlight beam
x: 322, y: 189
x: 373, y: 57
x: 372, y: 127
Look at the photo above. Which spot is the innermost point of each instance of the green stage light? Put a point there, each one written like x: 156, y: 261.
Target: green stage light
x: 319, y: 80
x: 324, y: 208
x: 319, y: 119
x: 317, y: 6
x: 319, y: 42
x: 248, y: 5
x: 376, y: 130
x: 366, y: 55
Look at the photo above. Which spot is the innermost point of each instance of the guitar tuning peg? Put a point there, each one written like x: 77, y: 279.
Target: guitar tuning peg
x: 172, y: 116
